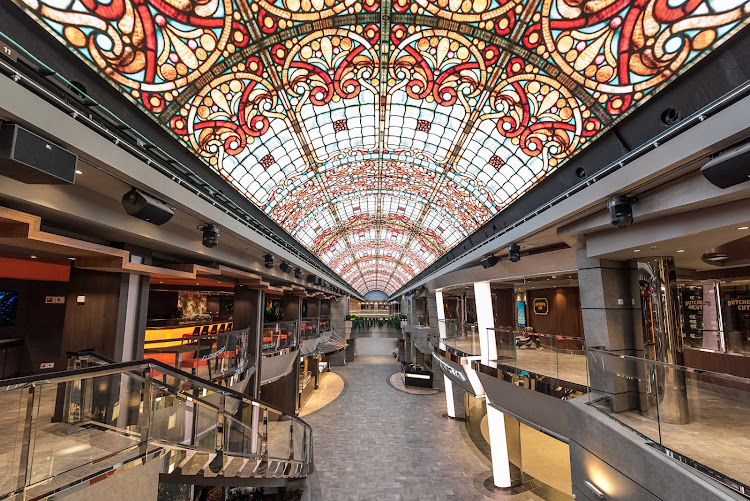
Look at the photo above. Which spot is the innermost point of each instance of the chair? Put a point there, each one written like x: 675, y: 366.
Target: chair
x: 214, y: 328
x: 204, y: 331
x: 222, y: 328
x: 196, y: 332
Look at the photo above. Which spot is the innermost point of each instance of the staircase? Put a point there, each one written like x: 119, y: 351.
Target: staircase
x: 76, y: 427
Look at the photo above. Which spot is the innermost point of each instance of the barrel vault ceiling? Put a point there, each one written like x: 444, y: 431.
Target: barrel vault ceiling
x: 381, y: 133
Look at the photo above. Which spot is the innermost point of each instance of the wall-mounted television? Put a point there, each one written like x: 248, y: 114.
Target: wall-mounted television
x: 8, y: 307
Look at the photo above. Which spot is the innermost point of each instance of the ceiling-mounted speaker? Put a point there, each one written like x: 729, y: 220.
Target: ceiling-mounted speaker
x: 268, y: 261
x: 729, y: 168
x: 311, y: 279
x: 140, y: 204
x: 489, y: 261
x: 297, y: 273
x: 286, y: 267
x: 31, y: 159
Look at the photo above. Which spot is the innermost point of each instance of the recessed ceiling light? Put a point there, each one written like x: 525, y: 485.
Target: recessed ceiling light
x: 32, y: 257
x: 680, y: 250
x: 636, y: 250
x: 79, y: 171
x: 744, y: 228
x: 72, y: 258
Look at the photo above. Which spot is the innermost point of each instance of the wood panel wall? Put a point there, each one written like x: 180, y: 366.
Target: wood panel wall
x: 93, y: 325
x: 503, y: 307
x: 564, y: 318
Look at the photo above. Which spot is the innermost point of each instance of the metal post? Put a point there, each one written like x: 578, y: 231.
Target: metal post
x: 27, y: 445
x: 144, y: 424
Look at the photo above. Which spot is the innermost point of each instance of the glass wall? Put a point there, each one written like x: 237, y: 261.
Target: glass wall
x: 722, y: 324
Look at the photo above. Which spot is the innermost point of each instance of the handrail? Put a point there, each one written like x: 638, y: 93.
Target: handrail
x: 196, y: 338
x: 120, y: 367
x: 539, y: 334
x: 685, y: 368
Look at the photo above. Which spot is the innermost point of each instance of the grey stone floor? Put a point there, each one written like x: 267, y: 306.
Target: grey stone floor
x: 377, y: 443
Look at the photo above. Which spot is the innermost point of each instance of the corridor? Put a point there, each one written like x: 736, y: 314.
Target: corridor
x: 377, y: 443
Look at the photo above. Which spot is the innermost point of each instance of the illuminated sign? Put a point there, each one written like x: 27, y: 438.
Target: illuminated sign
x: 541, y: 306
x: 456, y: 374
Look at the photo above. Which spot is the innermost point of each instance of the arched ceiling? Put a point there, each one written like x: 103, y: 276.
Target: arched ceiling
x: 381, y: 133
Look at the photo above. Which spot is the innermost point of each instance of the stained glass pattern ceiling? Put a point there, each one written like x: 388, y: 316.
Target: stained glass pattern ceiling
x: 380, y: 133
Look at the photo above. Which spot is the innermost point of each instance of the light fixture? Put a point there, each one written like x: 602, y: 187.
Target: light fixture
x: 621, y: 210
x: 32, y: 257
x: 79, y: 172
x: 744, y: 228
x: 210, y: 235
x: 72, y: 258
x: 680, y: 250
x: 597, y: 492
x: 514, y: 253
x: 636, y: 250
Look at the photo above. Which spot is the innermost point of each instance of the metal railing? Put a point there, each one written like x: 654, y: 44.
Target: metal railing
x: 69, y: 426
x: 697, y: 416
x: 280, y: 336
x: 211, y: 356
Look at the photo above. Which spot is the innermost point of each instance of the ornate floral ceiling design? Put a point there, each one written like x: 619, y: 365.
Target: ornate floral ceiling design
x: 380, y: 133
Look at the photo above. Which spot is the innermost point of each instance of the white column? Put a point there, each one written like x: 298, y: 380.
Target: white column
x: 498, y: 446
x: 485, y: 321
x: 440, y: 313
x: 449, y: 397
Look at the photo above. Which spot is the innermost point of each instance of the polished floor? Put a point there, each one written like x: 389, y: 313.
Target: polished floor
x: 717, y: 434
x: 375, y: 442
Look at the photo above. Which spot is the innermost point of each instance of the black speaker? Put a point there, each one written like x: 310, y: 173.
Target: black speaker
x: 311, y: 279
x: 730, y: 168
x: 143, y: 206
x: 31, y: 159
x: 286, y: 267
x: 297, y: 273
x: 489, y: 261
x: 268, y: 261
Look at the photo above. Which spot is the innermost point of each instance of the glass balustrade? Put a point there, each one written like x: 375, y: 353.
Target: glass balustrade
x: 211, y: 356
x: 280, y: 336
x: 324, y: 324
x: 694, y: 414
x: 559, y: 357
x: 73, y: 425
x: 464, y: 338
x: 309, y: 328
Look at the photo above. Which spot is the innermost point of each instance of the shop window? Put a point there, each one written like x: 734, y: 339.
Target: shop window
x: 735, y: 313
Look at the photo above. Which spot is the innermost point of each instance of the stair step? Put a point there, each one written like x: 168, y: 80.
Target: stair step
x: 195, y: 465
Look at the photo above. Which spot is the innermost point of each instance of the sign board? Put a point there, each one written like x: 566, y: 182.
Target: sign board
x: 8, y: 52
x: 521, y: 313
x: 541, y: 306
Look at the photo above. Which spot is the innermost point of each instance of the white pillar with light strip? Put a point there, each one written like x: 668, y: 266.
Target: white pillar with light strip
x: 440, y: 313
x: 485, y: 321
x: 495, y: 418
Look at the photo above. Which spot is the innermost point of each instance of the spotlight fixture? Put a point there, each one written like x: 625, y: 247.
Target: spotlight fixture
x: 297, y: 273
x: 514, y: 253
x: 268, y: 261
x: 286, y: 267
x: 210, y: 235
x: 621, y: 210
x: 715, y: 256
x: 318, y: 281
x: 489, y: 261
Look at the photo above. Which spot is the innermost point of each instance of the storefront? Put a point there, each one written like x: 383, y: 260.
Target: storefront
x: 715, y: 324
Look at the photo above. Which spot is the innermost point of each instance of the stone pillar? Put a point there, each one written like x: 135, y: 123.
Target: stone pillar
x: 248, y: 314
x: 485, y: 321
x: 611, y: 321
x: 665, y: 394
x: 339, y: 310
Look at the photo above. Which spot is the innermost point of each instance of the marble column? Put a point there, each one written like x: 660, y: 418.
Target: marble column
x: 485, y: 321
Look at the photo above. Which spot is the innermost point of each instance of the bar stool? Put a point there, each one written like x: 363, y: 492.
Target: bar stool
x: 204, y: 331
x: 222, y: 328
x: 196, y: 332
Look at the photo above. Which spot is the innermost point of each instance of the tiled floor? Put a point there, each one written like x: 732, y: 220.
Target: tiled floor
x: 717, y: 434
x: 377, y: 443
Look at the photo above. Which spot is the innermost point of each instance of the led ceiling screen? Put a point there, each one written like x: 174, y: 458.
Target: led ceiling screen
x: 381, y: 133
